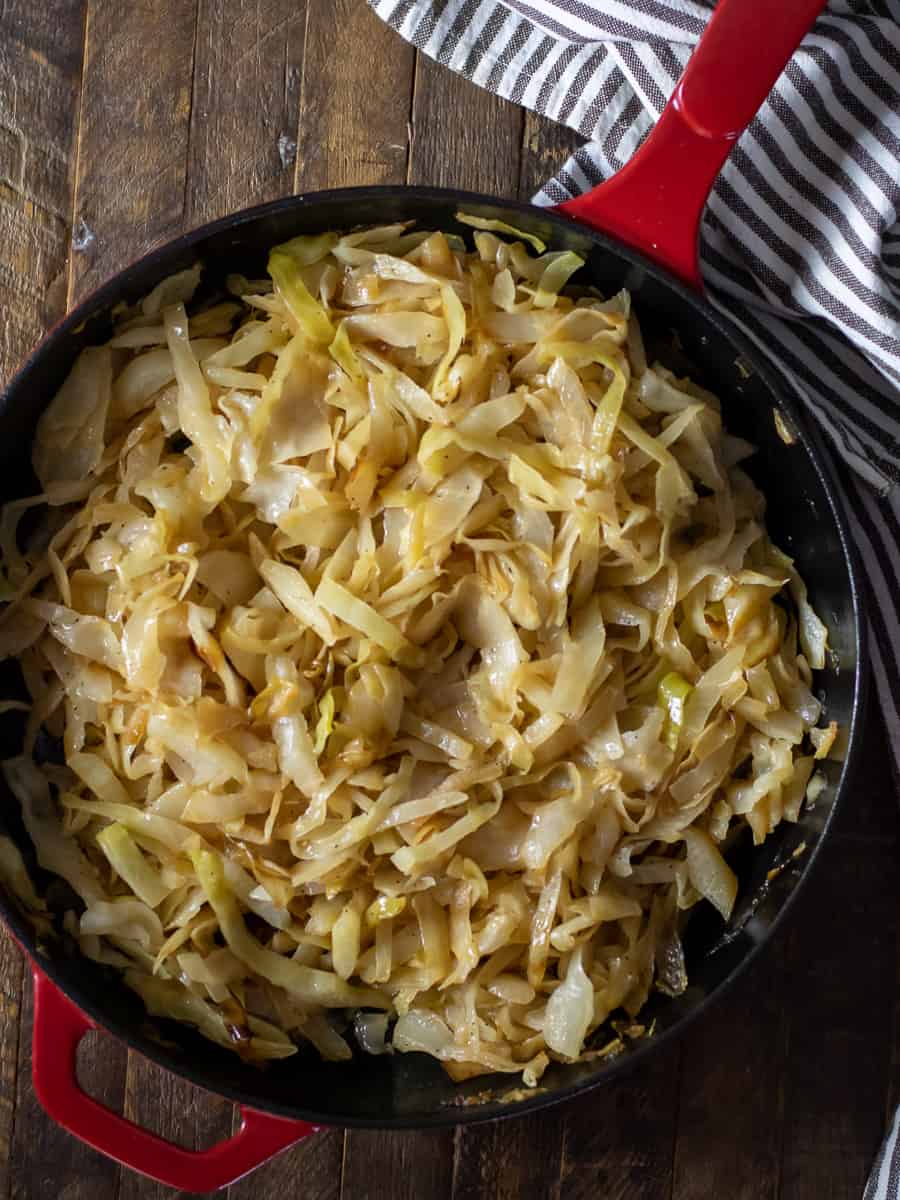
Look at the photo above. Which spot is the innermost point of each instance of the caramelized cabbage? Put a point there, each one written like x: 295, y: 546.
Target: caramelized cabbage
x: 415, y: 647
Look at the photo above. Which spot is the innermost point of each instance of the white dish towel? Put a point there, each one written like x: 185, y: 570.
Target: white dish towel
x: 800, y: 240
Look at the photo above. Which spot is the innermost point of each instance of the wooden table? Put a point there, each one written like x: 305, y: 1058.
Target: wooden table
x: 124, y: 122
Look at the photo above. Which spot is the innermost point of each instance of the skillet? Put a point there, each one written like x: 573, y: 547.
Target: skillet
x: 637, y: 231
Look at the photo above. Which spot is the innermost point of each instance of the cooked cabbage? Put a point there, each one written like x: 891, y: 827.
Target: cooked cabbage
x: 415, y: 647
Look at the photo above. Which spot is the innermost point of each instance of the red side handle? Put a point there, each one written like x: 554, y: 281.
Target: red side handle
x: 58, y: 1028
x: 655, y: 202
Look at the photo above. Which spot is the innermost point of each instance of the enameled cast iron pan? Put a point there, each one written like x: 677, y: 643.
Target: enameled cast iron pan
x: 638, y: 231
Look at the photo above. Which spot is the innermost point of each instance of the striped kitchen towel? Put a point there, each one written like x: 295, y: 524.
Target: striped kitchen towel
x: 884, y: 1181
x: 800, y: 242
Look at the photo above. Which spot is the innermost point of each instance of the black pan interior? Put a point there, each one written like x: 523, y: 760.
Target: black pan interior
x: 804, y: 517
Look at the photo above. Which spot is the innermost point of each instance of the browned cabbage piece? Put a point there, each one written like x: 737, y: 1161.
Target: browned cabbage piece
x: 415, y: 646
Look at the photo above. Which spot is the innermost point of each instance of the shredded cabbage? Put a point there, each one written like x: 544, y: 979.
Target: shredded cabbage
x: 416, y: 649
x: 70, y: 434
x: 501, y: 227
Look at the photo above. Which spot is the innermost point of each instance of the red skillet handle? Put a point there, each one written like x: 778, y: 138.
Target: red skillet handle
x: 58, y: 1028
x: 655, y: 202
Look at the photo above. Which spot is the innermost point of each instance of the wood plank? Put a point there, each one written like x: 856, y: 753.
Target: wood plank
x: 47, y: 1161
x: 875, y: 791
x: 478, y: 149
x: 731, y: 1104
x: 619, y: 1140
x: 130, y: 190
x: 462, y: 136
x: 404, y: 1166
x: 352, y: 134
x: 228, y: 164
x: 510, y: 1160
x: 11, y: 964
x: 486, y: 148
x: 176, y: 1110
x: 740, y: 1095
x: 354, y: 126
x: 247, y: 80
x: 248, y: 69
x: 237, y: 154
x: 310, y: 1171
x: 40, y: 73
x: 40, y: 76
x: 840, y: 998
x: 546, y: 145
x: 133, y: 144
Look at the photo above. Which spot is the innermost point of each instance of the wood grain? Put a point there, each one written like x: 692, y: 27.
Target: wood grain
x: 133, y: 141
x: 353, y: 133
x: 731, y: 1098
x: 248, y: 69
x: 11, y: 964
x: 619, y: 1140
x: 511, y: 1159
x: 354, y: 123
x: 130, y: 193
x: 176, y: 1110
x: 545, y: 147
x: 462, y: 137
x: 840, y: 1002
x: 310, y: 1171
x: 40, y: 79
x: 404, y: 1166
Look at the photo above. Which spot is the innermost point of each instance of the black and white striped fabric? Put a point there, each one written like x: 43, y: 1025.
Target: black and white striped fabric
x: 884, y: 1180
x: 800, y: 241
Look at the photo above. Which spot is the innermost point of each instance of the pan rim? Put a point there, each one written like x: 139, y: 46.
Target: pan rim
x: 111, y: 291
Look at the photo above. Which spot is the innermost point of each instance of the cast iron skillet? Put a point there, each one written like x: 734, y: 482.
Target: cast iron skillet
x: 653, y: 206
